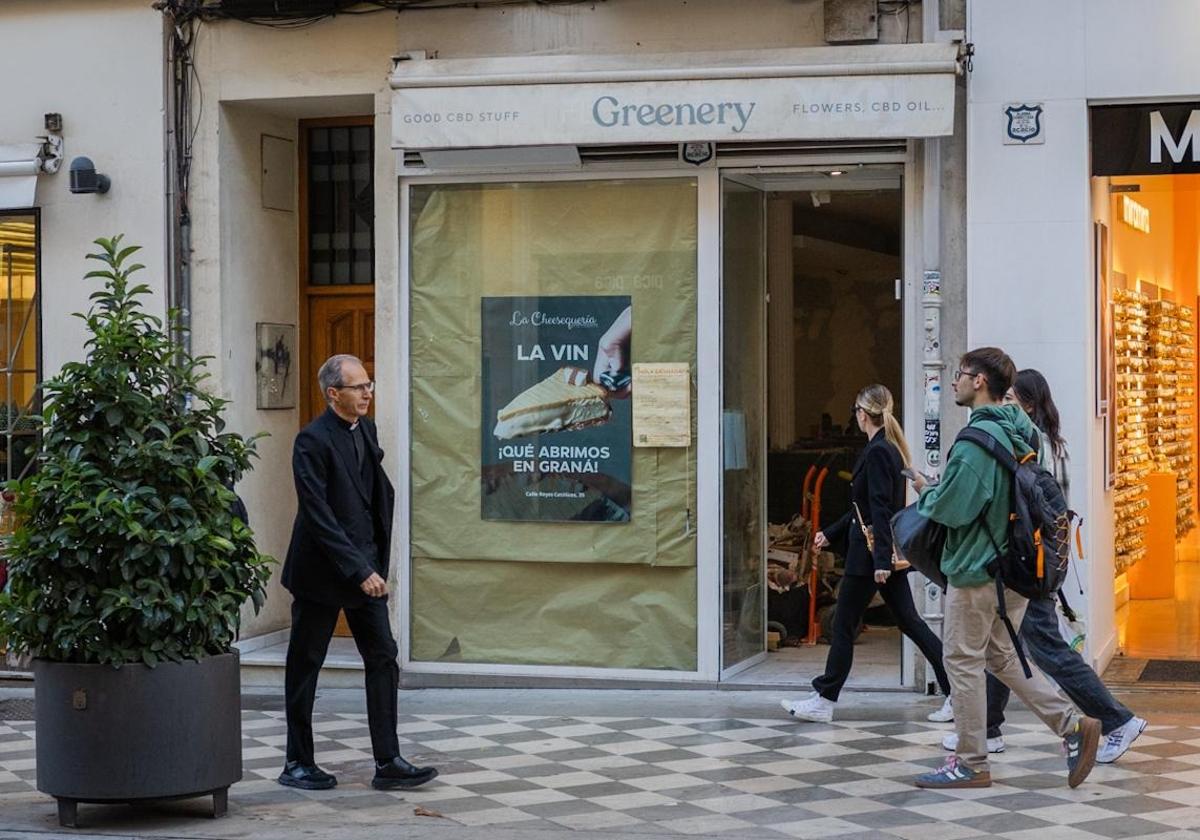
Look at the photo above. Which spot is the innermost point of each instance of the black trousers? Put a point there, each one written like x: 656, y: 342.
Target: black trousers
x: 854, y: 595
x: 312, y: 628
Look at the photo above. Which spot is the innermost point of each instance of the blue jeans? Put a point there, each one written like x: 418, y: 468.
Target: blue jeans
x: 1045, y: 645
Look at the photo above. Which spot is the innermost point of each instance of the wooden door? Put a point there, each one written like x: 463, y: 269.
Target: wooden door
x: 338, y: 323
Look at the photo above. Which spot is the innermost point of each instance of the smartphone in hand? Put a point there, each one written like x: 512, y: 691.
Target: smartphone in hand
x: 912, y: 475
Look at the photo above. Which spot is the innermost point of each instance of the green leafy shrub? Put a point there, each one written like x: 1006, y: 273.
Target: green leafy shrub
x: 125, y: 549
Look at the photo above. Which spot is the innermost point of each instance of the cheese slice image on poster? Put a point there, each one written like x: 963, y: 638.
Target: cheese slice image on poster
x: 557, y: 422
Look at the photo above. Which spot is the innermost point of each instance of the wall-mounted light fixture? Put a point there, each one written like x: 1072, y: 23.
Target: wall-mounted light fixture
x: 85, y: 179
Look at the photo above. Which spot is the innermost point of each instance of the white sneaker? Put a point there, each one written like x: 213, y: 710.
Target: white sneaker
x: 950, y: 742
x: 813, y: 708
x: 1119, y: 740
x: 942, y: 715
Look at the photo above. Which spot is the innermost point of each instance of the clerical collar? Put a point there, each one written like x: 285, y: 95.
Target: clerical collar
x: 345, y: 424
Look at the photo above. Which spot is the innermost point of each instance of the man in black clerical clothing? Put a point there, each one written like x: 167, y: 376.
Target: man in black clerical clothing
x: 338, y: 560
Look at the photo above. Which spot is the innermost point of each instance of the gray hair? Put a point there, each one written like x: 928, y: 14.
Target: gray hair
x: 330, y: 374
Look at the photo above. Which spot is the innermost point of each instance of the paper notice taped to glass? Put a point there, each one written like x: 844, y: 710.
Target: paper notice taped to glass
x: 662, y: 404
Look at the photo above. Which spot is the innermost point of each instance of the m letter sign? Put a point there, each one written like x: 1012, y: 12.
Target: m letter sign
x: 1161, y: 139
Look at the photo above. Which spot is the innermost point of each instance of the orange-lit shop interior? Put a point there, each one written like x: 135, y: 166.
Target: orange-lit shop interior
x: 18, y: 342
x: 1154, y: 249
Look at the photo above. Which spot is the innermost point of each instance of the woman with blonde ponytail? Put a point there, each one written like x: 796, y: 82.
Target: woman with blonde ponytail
x: 876, y: 492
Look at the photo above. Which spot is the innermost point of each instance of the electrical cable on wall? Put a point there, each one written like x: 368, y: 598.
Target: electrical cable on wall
x: 296, y: 14
x: 894, y: 8
x: 185, y: 106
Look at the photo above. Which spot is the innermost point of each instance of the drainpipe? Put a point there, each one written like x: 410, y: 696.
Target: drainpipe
x: 177, y: 234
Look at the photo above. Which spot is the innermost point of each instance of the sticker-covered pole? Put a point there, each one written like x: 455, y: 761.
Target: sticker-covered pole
x: 932, y: 365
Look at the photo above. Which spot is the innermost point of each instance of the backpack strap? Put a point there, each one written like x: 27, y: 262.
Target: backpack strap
x: 1009, y: 462
x: 990, y: 445
x: 1002, y: 610
x: 1001, y: 604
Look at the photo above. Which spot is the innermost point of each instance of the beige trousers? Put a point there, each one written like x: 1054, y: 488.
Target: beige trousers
x: 976, y: 639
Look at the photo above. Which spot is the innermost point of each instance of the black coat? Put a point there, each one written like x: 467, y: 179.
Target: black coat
x: 339, y: 538
x: 877, y: 487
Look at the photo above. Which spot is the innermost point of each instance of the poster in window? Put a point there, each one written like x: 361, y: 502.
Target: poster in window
x: 557, y: 423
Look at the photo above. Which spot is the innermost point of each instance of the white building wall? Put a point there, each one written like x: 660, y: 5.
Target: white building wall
x: 100, y: 66
x: 1029, y: 215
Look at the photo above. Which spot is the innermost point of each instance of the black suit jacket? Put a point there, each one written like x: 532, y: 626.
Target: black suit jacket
x: 877, y: 487
x: 339, y: 537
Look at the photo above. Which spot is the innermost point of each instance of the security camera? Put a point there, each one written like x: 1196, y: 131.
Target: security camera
x: 85, y: 178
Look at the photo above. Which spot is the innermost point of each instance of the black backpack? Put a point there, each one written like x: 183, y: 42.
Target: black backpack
x: 1039, y: 531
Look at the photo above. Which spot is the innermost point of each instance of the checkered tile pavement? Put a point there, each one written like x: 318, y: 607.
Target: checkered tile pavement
x: 760, y: 778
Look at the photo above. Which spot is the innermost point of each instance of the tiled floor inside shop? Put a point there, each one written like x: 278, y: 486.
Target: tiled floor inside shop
x: 754, y: 777
x: 876, y: 663
x: 1166, y: 628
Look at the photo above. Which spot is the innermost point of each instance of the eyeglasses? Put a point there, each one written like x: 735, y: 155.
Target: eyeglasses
x: 364, y: 388
x: 960, y: 373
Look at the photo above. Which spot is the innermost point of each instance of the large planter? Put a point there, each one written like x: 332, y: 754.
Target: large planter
x: 133, y: 733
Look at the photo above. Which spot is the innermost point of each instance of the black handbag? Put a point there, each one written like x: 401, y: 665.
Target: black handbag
x: 920, y: 541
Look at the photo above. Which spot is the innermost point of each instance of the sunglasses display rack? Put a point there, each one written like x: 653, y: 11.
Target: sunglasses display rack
x: 1132, y: 361
x: 1172, y: 393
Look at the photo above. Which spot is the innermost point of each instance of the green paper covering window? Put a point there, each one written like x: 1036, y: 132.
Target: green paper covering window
x: 595, y: 575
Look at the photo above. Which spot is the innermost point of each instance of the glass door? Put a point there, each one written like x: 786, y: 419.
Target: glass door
x: 743, y: 415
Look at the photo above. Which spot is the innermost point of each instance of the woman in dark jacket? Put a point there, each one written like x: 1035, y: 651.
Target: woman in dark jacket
x: 877, y: 492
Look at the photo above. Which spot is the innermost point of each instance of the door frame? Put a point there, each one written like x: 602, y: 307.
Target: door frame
x: 913, y: 418
x: 305, y: 291
x: 742, y: 179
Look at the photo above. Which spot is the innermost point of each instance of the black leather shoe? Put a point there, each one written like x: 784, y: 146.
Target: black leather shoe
x: 398, y: 773
x: 306, y: 777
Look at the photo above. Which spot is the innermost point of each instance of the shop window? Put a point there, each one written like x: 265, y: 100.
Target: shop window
x: 340, y: 189
x: 19, y: 343
x: 542, y: 533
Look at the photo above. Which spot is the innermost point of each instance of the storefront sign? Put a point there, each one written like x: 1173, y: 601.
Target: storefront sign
x: 820, y: 107
x: 1135, y: 215
x: 662, y: 400
x: 556, y: 422
x: 1157, y: 139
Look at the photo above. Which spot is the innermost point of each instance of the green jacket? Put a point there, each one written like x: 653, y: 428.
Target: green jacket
x: 973, y: 479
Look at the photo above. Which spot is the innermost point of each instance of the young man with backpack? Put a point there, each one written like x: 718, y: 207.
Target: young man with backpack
x: 1040, y: 632
x: 975, y: 501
